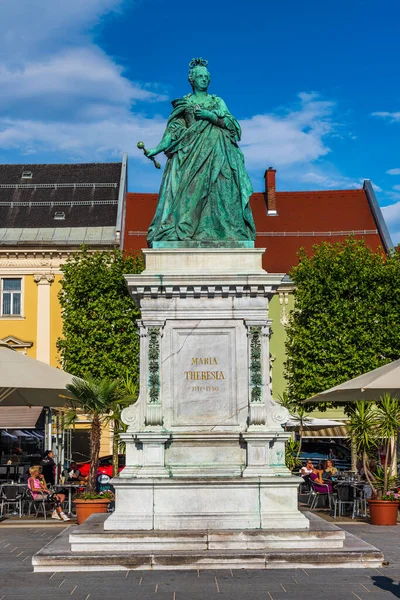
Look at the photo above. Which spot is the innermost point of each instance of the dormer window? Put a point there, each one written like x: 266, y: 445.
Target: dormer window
x: 26, y: 175
x: 59, y: 216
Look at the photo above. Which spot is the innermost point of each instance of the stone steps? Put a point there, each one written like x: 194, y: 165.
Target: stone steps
x: 99, y: 554
x: 90, y: 536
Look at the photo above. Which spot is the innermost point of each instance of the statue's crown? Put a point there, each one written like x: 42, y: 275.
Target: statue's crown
x: 198, y: 62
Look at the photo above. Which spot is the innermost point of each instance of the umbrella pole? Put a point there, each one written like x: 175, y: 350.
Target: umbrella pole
x: 48, y: 430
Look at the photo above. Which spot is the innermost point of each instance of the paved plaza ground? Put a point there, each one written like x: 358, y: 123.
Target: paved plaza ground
x: 17, y: 581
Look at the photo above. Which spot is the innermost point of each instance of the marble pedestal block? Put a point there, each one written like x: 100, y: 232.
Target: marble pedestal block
x: 205, y: 443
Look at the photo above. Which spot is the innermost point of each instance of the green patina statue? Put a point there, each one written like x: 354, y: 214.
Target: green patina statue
x: 205, y: 191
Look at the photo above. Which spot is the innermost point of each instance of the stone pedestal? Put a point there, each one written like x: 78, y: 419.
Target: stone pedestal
x: 205, y: 445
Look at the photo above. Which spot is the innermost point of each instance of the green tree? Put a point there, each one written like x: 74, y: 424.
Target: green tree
x: 99, y: 336
x: 345, y: 319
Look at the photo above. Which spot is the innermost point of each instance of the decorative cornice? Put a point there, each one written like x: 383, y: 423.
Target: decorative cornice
x: 34, y: 261
x: 201, y: 291
x: 198, y: 286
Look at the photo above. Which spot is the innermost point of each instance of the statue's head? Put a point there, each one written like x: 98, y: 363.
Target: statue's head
x: 199, y: 76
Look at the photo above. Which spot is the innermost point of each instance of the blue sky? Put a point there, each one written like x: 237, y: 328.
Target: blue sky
x: 314, y: 84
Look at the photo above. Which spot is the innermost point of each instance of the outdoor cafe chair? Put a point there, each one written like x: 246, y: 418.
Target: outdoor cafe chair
x: 317, y: 494
x: 305, y: 488
x: 11, y: 495
x: 39, y: 505
x: 342, y: 499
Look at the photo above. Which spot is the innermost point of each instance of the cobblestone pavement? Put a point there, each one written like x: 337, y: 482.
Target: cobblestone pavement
x: 17, y: 581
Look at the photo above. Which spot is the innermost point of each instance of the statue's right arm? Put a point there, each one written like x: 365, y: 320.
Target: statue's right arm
x: 176, y: 123
x: 162, y: 146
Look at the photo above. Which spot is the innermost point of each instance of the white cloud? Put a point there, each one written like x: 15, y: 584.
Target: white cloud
x: 68, y: 81
x: 52, y: 69
x: 292, y: 138
x: 376, y: 187
x: 393, y: 172
x: 396, y: 187
x: 391, y: 214
x: 33, y: 28
x: 83, y: 141
x: 392, y: 116
x: 327, y: 177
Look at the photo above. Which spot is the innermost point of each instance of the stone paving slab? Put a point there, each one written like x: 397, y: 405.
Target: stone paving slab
x: 17, y: 582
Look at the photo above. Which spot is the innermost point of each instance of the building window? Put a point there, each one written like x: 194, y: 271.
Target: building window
x: 11, y: 297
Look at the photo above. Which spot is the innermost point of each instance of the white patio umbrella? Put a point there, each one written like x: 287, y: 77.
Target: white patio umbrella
x: 311, y: 423
x: 25, y: 381
x: 369, y: 386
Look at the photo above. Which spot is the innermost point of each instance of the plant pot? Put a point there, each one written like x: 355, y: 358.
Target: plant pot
x: 383, y: 512
x: 85, y: 508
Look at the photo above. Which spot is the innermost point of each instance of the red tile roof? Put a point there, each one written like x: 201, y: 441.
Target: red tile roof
x: 304, y: 219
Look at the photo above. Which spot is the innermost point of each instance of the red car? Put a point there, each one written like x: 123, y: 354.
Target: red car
x: 105, y: 465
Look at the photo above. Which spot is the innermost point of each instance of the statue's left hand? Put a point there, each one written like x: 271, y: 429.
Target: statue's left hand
x: 204, y: 115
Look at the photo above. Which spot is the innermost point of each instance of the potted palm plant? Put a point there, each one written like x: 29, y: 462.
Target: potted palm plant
x: 94, y: 398
x: 370, y: 426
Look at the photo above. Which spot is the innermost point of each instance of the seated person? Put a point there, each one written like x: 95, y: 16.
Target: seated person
x: 331, y: 468
x: 320, y: 485
x: 39, y: 491
x: 323, y: 467
x: 307, y: 468
x: 74, y: 474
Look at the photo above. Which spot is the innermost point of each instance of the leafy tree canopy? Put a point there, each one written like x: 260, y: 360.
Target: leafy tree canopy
x: 345, y: 318
x: 100, y: 336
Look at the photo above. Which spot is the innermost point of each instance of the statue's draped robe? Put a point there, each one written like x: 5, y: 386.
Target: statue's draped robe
x: 205, y: 191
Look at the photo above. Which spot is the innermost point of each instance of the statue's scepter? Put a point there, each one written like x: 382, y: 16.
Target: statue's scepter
x: 141, y: 146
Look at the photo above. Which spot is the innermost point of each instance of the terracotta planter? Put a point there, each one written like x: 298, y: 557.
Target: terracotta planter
x: 85, y: 508
x: 383, y: 512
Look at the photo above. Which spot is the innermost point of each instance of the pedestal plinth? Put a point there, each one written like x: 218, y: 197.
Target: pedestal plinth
x: 205, y: 445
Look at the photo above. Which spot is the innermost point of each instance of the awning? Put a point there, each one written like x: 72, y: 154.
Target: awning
x: 369, y: 386
x: 310, y: 422
x: 19, y: 417
x: 25, y: 381
x: 328, y: 432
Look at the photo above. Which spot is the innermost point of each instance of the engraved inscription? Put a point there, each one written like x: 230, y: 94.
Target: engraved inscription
x: 203, y: 376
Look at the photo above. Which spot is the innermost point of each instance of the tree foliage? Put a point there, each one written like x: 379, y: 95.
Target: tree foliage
x: 94, y: 398
x: 99, y: 336
x: 345, y: 318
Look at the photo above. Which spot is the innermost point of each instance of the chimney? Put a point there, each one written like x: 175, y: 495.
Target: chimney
x: 270, y: 191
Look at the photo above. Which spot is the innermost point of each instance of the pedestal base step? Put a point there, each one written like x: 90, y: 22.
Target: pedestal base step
x: 99, y: 554
x: 91, y: 537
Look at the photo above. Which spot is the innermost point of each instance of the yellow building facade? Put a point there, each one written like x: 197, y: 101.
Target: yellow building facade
x: 31, y: 318
x: 36, y: 277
